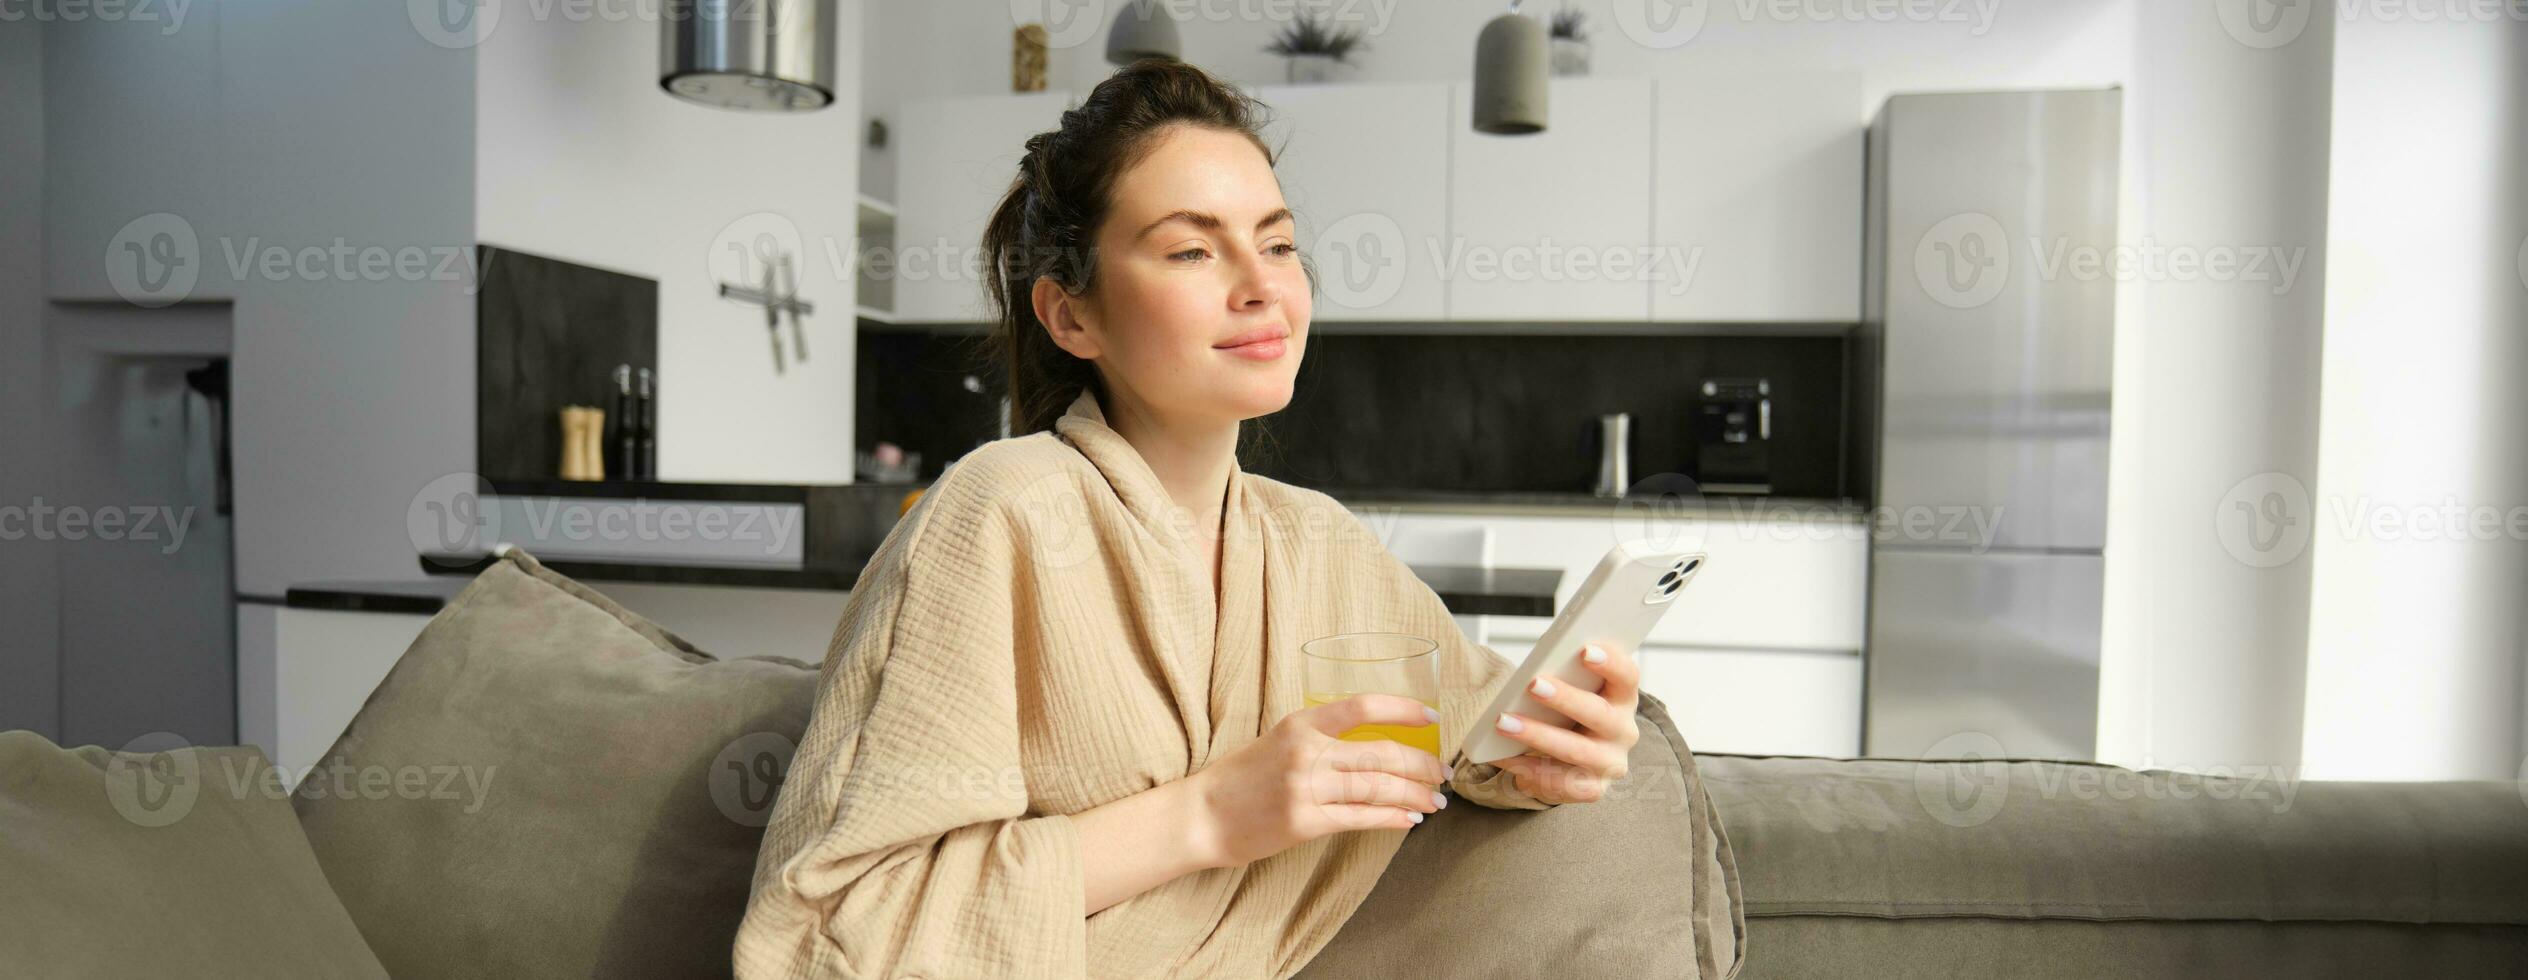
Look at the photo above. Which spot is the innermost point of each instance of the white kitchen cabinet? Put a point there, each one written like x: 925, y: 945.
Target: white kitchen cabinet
x: 1758, y: 181
x: 1554, y: 226
x: 1776, y: 580
x: 1365, y: 167
x: 1758, y: 702
x: 955, y: 159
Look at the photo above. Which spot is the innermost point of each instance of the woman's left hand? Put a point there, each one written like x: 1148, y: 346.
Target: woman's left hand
x: 1576, y: 766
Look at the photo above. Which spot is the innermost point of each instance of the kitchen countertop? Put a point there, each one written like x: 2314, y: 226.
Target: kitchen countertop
x: 1542, y: 503
x: 1467, y: 590
x: 1578, y: 504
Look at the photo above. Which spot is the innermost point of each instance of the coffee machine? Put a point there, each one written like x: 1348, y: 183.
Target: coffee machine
x: 1733, y: 426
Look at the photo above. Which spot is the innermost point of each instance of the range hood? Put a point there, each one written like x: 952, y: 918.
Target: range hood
x: 771, y: 55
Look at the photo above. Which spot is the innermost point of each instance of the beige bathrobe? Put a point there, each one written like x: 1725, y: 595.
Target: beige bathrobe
x: 1035, y: 638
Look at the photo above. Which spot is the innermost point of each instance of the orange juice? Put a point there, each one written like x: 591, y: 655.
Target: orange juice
x: 1424, y: 737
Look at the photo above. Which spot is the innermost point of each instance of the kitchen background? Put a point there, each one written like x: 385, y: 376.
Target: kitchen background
x: 550, y: 197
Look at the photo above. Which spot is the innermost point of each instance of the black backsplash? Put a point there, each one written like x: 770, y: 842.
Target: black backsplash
x: 1464, y: 412
x: 548, y: 333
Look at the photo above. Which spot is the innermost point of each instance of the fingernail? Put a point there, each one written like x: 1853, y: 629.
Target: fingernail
x: 1543, y: 688
x: 1511, y: 724
x: 1593, y: 655
x: 1417, y: 815
x: 1439, y: 801
x: 1431, y: 713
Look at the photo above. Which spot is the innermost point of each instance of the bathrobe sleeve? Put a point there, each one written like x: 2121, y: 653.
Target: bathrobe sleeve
x: 900, y: 845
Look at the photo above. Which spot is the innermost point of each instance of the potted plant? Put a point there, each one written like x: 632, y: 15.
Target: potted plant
x: 1313, y: 48
x: 1571, y: 45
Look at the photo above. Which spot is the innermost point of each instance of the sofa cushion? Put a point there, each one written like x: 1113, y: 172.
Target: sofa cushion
x: 1638, y: 884
x: 183, y: 862
x: 547, y: 785
x: 2023, y: 839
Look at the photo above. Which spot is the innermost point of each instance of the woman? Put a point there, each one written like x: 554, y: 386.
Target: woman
x: 1060, y: 729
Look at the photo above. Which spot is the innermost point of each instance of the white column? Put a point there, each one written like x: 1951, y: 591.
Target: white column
x: 2419, y: 577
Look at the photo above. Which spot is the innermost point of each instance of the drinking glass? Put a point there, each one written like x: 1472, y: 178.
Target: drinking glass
x: 1401, y: 664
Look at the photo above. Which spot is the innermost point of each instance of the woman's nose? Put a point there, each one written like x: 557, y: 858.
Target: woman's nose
x: 1255, y: 287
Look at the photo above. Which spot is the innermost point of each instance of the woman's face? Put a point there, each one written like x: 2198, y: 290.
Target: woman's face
x: 1198, y: 256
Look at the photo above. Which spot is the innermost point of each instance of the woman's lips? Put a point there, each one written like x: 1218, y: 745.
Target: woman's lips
x: 1261, y: 345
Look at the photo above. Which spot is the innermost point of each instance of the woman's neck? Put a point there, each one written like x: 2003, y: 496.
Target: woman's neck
x: 1191, y: 458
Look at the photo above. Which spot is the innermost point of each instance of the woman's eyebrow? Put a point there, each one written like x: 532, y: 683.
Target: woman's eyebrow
x: 1207, y: 221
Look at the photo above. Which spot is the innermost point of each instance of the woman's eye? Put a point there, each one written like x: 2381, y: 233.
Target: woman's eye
x: 1284, y: 248
x: 1189, y: 255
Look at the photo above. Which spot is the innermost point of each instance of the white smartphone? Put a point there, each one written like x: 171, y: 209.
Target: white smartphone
x: 1623, y: 597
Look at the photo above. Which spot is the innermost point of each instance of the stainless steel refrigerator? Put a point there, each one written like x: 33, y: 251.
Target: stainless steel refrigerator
x: 1982, y: 379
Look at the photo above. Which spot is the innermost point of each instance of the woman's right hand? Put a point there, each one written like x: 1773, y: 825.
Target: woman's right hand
x: 1300, y: 781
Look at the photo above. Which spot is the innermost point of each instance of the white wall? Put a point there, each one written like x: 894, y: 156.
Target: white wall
x: 2216, y: 384
x: 580, y: 156
x: 29, y: 655
x: 2415, y: 626
x: 920, y: 49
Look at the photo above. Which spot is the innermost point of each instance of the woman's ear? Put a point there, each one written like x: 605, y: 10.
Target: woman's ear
x: 1065, y: 317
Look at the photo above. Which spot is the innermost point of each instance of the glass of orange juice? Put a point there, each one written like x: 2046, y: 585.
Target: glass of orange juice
x: 1402, y: 664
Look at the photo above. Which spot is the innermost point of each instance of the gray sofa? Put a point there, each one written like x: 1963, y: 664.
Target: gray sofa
x: 548, y: 785
x: 1894, y: 868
